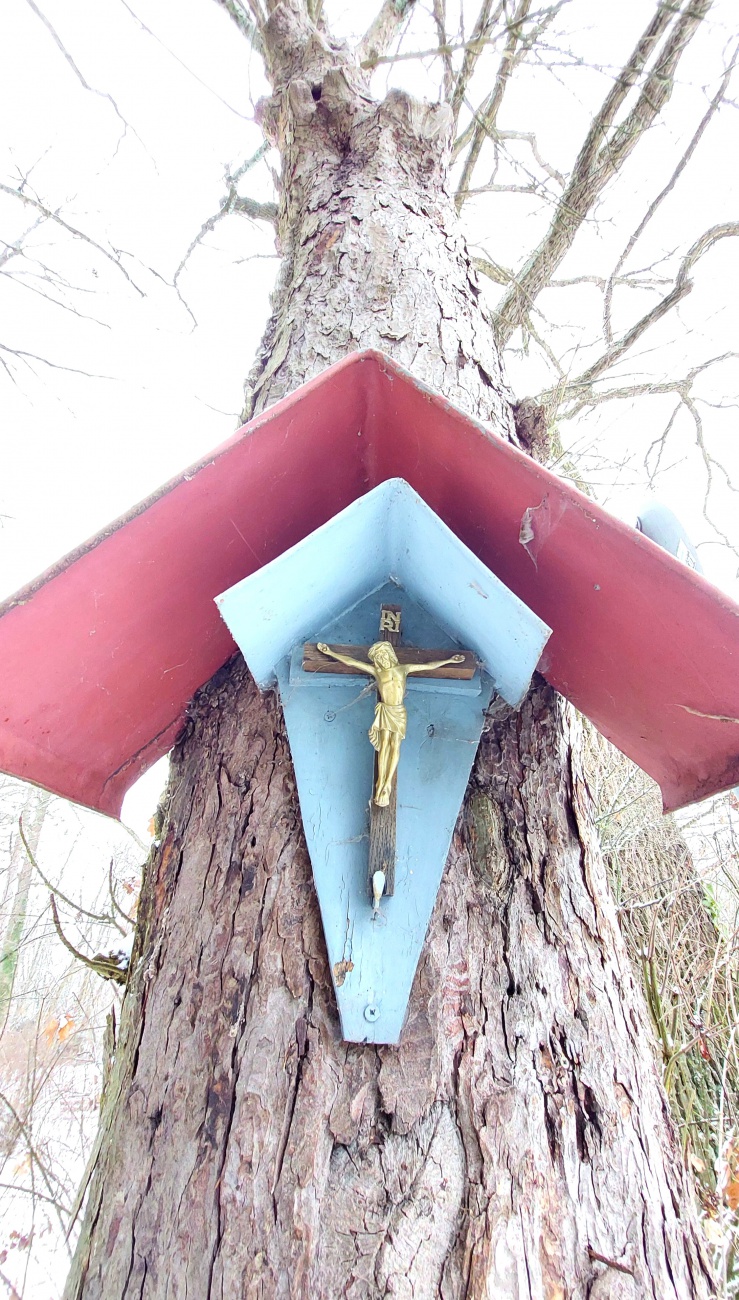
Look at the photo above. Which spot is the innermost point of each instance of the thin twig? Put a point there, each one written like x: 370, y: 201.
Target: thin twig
x: 107, y: 968
x: 54, y: 889
x: 605, y: 150
x: 78, y: 74
x: 245, y: 117
x: 28, y: 199
x: 667, y: 189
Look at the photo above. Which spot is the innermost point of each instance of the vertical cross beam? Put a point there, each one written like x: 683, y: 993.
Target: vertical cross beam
x: 382, y: 820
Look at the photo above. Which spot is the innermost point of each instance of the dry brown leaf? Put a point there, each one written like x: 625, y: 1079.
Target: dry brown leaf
x: 50, y: 1031
x: 65, y: 1029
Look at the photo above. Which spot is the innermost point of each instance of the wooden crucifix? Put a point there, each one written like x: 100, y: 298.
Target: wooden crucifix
x: 390, y: 664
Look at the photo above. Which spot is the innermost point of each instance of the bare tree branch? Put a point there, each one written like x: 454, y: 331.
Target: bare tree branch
x: 484, y: 25
x: 246, y: 117
x: 14, y: 1295
x: 498, y: 274
x: 27, y: 357
x: 46, y: 274
x: 531, y: 140
x: 257, y: 211
x: 78, y: 74
x: 687, y: 401
x: 633, y: 280
x: 249, y: 27
x: 106, y: 967
x: 485, y: 119
x: 709, y: 462
x: 443, y: 50
x: 315, y: 12
x: 232, y: 202
x: 605, y: 150
x: 530, y: 329
x: 667, y: 189
x: 440, y: 51
x: 682, y: 287
x: 46, y: 1174
x: 16, y: 248
x: 660, y: 443
x: 104, y: 919
x: 443, y: 39
x: 24, y: 267
x: 380, y: 33
x: 528, y: 42
x: 28, y: 199
x: 116, y: 905
x: 29, y: 1191
x: 645, y: 388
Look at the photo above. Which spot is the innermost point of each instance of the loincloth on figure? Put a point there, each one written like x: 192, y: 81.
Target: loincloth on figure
x: 388, y: 717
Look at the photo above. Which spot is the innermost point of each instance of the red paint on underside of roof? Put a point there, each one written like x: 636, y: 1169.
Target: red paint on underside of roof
x: 101, y: 655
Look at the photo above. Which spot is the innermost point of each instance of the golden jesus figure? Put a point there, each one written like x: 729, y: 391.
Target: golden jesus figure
x: 389, y: 726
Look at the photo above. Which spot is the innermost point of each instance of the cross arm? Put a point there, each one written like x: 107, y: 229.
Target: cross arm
x: 434, y: 665
x: 348, y: 661
x: 316, y: 662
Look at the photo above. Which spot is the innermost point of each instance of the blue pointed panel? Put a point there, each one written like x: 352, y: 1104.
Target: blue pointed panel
x: 373, y: 959
x: 390, y: 532
x: 387, y: 547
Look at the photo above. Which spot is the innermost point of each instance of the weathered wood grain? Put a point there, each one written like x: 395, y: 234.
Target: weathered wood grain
x: 316, y: 662
x: 383, y: 822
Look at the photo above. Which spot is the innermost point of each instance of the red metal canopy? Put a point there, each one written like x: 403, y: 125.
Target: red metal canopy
x: 100, y: 655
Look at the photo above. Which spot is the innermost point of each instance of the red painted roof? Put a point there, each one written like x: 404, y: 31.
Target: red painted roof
x: 102, y: 653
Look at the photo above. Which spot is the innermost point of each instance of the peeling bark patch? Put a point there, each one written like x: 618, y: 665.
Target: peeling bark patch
x: 341, y: 970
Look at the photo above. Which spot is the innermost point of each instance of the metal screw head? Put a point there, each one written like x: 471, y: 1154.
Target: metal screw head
x: 371, y: 1012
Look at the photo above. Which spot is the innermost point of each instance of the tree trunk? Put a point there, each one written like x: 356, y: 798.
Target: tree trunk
x: 517, y: 1142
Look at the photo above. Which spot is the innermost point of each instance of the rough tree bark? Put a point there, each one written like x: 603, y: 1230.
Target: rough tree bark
x: 517, y: 1143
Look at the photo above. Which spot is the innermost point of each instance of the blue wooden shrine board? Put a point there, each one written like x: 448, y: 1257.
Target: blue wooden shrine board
x: 387, y: 547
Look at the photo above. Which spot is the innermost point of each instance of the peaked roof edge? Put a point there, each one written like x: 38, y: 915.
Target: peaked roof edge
x: 641, y: 644
x: 185, y: 475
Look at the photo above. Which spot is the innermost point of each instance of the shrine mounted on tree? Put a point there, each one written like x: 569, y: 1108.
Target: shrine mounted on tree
x: 380, y: 1036
x: 378, y: 839
x: 314, y: 579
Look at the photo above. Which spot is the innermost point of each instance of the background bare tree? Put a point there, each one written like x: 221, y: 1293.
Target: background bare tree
x: 54, y: 1007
